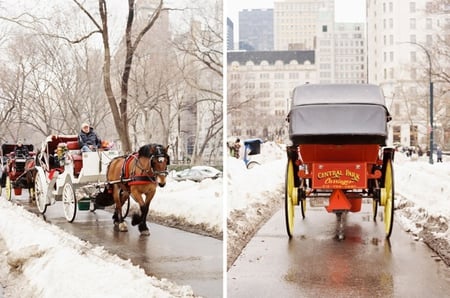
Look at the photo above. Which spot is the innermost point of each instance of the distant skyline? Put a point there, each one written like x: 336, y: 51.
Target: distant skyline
x: 345, y: 10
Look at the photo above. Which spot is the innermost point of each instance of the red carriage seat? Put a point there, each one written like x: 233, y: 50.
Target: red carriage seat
x: 74, y: 149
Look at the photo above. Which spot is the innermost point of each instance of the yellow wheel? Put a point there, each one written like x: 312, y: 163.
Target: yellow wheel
x: 8, y: 188
x: 387, y: 198
x: 290, y: 198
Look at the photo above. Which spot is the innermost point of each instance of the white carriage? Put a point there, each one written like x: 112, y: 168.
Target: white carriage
x: 76, y: 178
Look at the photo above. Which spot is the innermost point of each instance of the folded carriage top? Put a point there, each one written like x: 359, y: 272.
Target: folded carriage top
x: 338, y: 114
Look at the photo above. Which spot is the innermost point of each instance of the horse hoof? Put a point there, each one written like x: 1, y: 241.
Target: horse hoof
x: 145, y: 233
x: 123, y: 227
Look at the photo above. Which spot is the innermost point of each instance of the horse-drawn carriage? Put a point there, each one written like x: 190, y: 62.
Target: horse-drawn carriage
x: 338, y: 154
x: 94, y: 180
x: 17, y: 169
x: 64, y: 173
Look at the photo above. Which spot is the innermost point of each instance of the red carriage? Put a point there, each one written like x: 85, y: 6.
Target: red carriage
x: 338, y: 154
x: 18, y: 169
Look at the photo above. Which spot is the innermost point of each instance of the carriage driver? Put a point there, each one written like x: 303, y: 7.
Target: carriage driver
x: 21, y: 150
x: 88, y: 139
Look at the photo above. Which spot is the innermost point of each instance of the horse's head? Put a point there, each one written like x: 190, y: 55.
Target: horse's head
x: 159, y: 160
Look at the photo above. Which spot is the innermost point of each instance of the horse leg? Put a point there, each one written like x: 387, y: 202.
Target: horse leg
x: 141, y: 220
x: 119, y: 222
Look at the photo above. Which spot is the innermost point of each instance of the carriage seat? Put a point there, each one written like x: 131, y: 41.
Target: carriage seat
x: 75, y: 152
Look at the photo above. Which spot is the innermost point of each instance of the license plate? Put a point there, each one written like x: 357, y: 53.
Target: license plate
x: 319, y: 202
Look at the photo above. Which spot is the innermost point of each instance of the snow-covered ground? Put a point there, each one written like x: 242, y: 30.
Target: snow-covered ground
x: 38, y: 259
x: 422, y: 199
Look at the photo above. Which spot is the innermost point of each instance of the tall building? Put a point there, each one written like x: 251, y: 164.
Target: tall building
x: 259, y: 90
x: 341, y: 53
x: 256, y: 29
x: 404, y: 40
x: 230, y: 35
x: 295, y: 23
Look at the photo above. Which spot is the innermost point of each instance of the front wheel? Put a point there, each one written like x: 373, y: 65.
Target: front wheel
x: 40, y: 191
x: 252, y: 164
x: 69, y: 202
x: 290, y: 199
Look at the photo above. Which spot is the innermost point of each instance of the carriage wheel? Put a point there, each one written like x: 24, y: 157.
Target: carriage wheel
x: 69, y: 202
x: 375, y: 209
x: 290, y: 199
x: 126, y: 208
x: 40, y: 191
x: 8, y: 188
x: 387, y: 198
x: 252, y: 164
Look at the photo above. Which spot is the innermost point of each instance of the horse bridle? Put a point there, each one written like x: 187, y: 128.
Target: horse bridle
x: 160, y: 156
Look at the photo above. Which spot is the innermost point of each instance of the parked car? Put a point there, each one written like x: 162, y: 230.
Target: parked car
x: 197, y: 174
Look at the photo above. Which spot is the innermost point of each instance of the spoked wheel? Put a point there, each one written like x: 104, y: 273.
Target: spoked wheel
x: 8, y: 188
x: 126, y: 208
x: 69, y: 201
x: 387, y: 198
x: 290, y: 199
x: 40, y: 191
x: 375, y: 209
x: 300, y: 193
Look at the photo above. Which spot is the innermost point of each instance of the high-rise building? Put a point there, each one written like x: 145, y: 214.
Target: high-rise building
x: 259, y: 90
x: 404, y: 38
x: 256, y: 29
x: 295, y: 23
x: 230, y: 35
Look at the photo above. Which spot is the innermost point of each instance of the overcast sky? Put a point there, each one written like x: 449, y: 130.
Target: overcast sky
x: 345, y: 10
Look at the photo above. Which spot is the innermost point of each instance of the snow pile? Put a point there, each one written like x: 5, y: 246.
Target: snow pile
x: 44, y: 261
x: 191, y: 206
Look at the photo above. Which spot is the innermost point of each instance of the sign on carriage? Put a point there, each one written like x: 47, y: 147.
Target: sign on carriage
x: 339, y: 175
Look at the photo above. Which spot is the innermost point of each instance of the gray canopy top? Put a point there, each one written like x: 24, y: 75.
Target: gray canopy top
x: 337, y: 93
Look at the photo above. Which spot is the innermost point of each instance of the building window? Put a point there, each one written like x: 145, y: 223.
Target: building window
x: 412, y: 6
x: 413, y: 56
x: 429, y: 24
x: 324, y: 28
x: 429, y: 39
x: 412, y: 23
x: 412, y: 38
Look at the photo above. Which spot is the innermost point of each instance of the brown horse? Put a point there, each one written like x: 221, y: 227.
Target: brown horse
x: 137, y: 175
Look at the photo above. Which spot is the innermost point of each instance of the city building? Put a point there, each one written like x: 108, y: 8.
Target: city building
x: 256, y: 29
x: 295, y: 23
x: 259, y: 90
x: 230, y: 35
x: 404, y: 41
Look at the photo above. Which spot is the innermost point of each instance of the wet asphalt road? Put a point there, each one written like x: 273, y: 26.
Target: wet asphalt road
x: 181, y: 257
x: 315, y: 264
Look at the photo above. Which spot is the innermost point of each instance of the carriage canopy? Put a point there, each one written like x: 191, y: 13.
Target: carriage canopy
x: 338, y: 114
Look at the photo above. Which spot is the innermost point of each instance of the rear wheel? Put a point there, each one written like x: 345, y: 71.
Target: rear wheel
x: 387, y: 198
x: 126, y: 207
x: 375, y: 209
x: 290, y: 198
x: 252, y: 164
x: 8, y: 188
x: 40, y: 191
x: 69, y: 202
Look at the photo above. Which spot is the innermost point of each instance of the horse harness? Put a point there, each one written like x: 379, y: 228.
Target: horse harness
x: 148, y: 174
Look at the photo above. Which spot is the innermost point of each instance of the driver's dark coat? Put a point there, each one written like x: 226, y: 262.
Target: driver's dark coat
x: 90, y: 138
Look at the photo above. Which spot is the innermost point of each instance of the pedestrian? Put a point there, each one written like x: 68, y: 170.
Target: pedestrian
x: 237, y: 147
x: 439, y: 154
x: 88, y: 139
